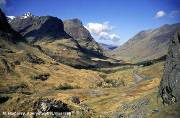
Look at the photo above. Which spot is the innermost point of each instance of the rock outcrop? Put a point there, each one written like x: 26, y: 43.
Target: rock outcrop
x: 50, y: 105
x: 170, y: 83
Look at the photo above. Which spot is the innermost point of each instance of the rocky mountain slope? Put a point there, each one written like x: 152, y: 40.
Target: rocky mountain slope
x: 75, y: 28
x: 147, y: 45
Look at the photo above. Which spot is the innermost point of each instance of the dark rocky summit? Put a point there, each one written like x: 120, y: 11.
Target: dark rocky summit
x: 170, y: 83
x: 39, y: 27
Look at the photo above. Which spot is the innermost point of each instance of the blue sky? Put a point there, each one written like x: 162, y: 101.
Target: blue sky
x: 115, y: 20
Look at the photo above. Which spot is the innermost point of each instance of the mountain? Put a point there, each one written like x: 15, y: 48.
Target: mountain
x: 47, y: 27
x: 38, y: 27
x: 10, y: 18
x: 108, y: 47
x: 75, y: 28
x: 26, y: 15
x: 67, y: 42
x: 147, y: 45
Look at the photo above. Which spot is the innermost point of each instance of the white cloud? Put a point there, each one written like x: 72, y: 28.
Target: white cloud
x: 98, y: 27
x: 160, y: 14
x: 174, y: 13
x: 102, y: 31
x: 2, y: 2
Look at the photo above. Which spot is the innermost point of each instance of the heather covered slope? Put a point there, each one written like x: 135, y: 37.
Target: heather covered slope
x: 147, y: 45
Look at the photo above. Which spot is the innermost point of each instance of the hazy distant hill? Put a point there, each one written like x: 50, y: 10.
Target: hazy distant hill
x: 148, y: 44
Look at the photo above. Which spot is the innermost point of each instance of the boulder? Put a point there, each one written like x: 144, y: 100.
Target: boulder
x: 75, y: 99
x: 42, y: 77
x: 50, y: 105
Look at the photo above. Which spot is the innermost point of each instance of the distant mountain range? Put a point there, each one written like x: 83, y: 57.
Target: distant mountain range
x: 108, y: 46
x: 147, y: 45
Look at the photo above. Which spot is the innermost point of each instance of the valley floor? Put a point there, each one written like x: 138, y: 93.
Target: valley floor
x: 129, y: 93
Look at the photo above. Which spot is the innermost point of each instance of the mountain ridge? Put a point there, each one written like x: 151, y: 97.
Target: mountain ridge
x: 68, y: 42
x: 147, y: 45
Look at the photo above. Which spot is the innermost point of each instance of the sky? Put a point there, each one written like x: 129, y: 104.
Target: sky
x: 109, y: 21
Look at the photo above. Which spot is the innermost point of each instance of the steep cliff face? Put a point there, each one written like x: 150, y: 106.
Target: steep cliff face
x: 170, y: 83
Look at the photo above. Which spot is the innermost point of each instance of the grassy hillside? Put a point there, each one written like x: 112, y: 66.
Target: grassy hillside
x: 100, y: 94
